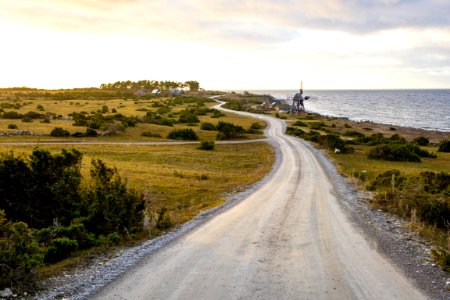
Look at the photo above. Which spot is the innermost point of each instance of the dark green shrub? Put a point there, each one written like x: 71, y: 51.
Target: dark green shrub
x: 111, y: 206
x: 300, y: 123
x: 256, y: 126
x: 205, y: 145
x: 394, y: 152
x: 114, y: 238
x: 229, y: 131
x: 150, y: 134
x: 353, y: 133
x: 316, y: 125
x: 12, y: 126
x: 40, y: 107
x: 217, y: 114
x: 91, y: 132
x: 396, y: 138
x: 332, y: 142
x: 188, y: 116
x: 421, y: 141
x: 208, y: 126
x: 444, y: 146
x: 59, y: 132
x: 77, y: 134
x: 183, y: 134
x: 388, y: 179
x: 295, y: 131
x: 163, y: 222
x: 59, y: 249
x: 19, y: 253
x: 11, y: 115
x: 435, y: 183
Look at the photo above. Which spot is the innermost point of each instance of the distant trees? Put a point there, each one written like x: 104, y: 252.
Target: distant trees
x: 149, y: 85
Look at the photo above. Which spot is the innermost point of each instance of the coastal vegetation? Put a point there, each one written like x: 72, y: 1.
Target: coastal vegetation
x: 407, y: 175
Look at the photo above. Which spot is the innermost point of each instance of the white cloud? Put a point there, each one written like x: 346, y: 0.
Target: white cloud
x: 226, y: 44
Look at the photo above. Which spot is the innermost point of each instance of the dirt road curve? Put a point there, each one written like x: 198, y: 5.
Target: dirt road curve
x: 288, y: 240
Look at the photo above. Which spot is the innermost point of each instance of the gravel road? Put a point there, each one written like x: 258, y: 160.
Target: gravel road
x: 289, y: 239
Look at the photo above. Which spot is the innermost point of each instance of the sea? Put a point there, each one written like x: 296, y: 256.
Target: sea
x: 425, y: 109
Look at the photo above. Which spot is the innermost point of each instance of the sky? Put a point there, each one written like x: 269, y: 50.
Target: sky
x: 227, y: 44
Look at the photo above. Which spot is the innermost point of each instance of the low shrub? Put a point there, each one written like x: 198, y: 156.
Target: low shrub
x: 332, y: 142
x: 183, y: 134
x: 12, y: 126
x: 353, y: 133
x: 421, y: 141
x: 295, y: 131
x: 150, y: 134
x: 59, y: 249
x: 229, y: 131
x: 300, y: 123
x: 444, y: 146
x: 399, y: 152
x: 208, y: 126
x: 206, y: 145
x: 59, y: 132
x: 388, y: 179
x: 91, y: 132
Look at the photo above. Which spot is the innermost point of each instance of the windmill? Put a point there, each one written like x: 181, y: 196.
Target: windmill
x: 297, y: 106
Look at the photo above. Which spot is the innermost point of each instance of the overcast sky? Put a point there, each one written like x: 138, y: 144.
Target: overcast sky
x: 227, y: 44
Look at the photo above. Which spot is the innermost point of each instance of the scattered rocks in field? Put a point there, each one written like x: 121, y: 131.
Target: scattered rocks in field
x: 18, y: 132
x: 6, y: 293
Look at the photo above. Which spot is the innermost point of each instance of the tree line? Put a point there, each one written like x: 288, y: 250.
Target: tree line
x: 149, y: 85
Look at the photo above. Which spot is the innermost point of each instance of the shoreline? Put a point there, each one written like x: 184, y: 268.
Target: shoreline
x: 435, y: 136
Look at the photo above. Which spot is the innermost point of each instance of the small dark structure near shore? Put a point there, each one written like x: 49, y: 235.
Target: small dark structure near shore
x: 297, y: 106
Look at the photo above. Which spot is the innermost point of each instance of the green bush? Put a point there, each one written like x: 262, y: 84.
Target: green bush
x: 388, y: 179
x: 332, y: 142
x: 444, y: 146
x: 19, y: 253
x: 256, y: 126
x: 229, y: 131
x: 399, y: 152
x: 217, y: 114
x: 208, y: 126
x: 12, y: 126
x: 59, y: 132
x: 183, y: 134
x: 421, y: 141
x: 188, y: 116
x: 59, y: 249
x: 91, y: 132
x: 353, y: 133
x: 150, y: 134
x: 205, y: 145
x: 300, y: 123
x: 295, y: 131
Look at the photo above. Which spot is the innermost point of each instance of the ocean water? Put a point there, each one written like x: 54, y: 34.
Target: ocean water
x: 426, y: 109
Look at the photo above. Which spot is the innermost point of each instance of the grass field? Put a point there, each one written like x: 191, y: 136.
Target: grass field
x: 128, y: 107
x: 181, y: 178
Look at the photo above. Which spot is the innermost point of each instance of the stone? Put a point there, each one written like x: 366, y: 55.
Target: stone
x: 447, y: 286
x: 6, y: 293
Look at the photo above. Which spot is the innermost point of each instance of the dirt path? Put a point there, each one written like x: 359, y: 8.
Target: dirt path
x: 290, y: 239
